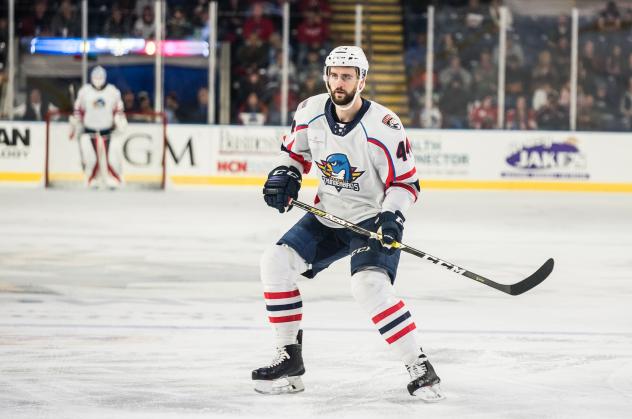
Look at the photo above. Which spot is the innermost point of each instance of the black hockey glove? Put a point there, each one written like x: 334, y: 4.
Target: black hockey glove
x: 283, y: 183
x: 391, y: 226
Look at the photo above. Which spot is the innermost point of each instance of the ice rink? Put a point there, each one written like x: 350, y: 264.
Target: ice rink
x: 148, y: 305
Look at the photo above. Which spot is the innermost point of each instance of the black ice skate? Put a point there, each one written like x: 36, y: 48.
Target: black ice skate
x: 424, y: 381
x: 283, y: 375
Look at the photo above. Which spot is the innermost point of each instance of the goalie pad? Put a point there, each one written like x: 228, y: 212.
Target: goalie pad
x: 120, y: 122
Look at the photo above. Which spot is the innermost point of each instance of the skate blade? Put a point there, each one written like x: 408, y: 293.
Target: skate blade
x: 286, y: 385
x: 430, y: 394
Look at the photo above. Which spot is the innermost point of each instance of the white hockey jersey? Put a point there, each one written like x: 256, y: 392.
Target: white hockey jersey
x: 96, y: 108
x: 365, y: 166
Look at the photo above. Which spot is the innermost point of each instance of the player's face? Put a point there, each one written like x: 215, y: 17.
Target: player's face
x: 343, y: 84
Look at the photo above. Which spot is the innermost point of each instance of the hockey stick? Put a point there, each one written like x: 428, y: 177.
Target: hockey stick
x: 514, y: 289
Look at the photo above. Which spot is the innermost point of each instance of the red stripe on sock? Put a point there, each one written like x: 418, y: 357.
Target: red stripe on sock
x: 387, y: 312
x: 401, y: 333
x: 285, y: 319
x: 278, y: 295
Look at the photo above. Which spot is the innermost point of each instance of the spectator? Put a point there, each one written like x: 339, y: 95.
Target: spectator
x: 129, y: 101
x: 587, y: 116
x: 485, y: 76
x: 172, y: 108
x: 178, y: 26
x: 35, y: 108
x: 117, y: 25
x: 435, y: 118
x: 484, y: 114
x: 253, y: 53
x: 200, y: 113
x: 589, y: 59
x: 605, y: 119
x: 257, y: 23
x: 609, y: 18
x: 313, y: 66
x: 544, y: 72
x: 311, y: 86
x: 562, y: 57
x: 494, y: 13
x: 251, y: 83
x: 516, y: 79
x: 562, y: 30
x: 626, y: 106
x: 474, y: 15
x: 513, y: 50
x: 38, y: 22
x: 144, y: 108
x: 66, y: 23
x: 144, y: 26
x: 521, y: 117
x: 454, y: 70
x: 453, y: 104
x: 320, y: 7
x: 275, y: 70
x: 274, y: 113
x: 416, y: 53
x: 615, y: 63
x: 230, y: 27
x: 253, y: 111
x: 552, y: 116
x: 312, y: 30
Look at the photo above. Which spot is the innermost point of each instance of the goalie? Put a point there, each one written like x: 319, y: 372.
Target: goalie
x: 97, y: 119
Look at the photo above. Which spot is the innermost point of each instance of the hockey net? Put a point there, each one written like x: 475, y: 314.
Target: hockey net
x: 141, y: 147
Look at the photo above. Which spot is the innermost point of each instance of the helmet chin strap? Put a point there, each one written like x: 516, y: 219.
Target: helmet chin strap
x: 350, y: 104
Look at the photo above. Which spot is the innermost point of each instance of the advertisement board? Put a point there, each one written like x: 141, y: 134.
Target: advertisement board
x: 204, y: 155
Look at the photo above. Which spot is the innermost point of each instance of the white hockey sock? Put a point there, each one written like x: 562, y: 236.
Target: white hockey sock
x: 280, y: 266
x: 372, y: 289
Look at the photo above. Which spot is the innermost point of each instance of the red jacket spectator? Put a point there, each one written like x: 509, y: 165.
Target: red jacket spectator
x: 259, y: 24
x: 484, y: 115
x: 312, y: 30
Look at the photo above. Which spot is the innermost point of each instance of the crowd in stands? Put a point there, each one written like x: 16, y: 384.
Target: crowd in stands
x: 465, y: 72
x: 538, y: 68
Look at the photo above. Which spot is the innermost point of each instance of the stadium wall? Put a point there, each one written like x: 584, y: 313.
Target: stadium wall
x: 201, y: 155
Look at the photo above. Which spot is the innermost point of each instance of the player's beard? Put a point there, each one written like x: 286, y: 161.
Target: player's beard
x: 344, y: 100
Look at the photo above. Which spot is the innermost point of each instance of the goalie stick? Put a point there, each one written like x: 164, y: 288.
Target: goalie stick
x: 513, y: 289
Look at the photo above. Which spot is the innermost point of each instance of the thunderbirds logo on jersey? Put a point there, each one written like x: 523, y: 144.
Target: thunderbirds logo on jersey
x: 339, y: 173
x: 99, y: 103
x: 391, y: 122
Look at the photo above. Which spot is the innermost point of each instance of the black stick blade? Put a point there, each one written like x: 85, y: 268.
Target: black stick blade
x: 536, y: 278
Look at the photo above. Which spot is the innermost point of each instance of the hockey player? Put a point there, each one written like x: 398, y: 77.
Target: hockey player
x: 367, y: 176
x: 98, y: 113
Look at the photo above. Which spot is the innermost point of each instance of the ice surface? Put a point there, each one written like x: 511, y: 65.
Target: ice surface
x: 148, y: 305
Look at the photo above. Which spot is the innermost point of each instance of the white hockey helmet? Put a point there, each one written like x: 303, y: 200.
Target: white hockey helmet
x: 98, y: 77
x: 347, y: 56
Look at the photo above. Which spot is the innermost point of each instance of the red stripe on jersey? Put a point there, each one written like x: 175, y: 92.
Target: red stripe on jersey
x: 316, y: 199
x: 300, y: 127
x: 376, y: 319
x: 391, y: 166
x: 289, y: 146
x: 407, y: 174
x: 307, y: 165
x: 286, y: 319
x: 279, y: 295
x: 407, y: 187
x: 401, y: 333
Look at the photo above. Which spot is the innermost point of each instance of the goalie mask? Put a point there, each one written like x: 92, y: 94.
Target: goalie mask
x: 347, y: 56
x: 98, y: 77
